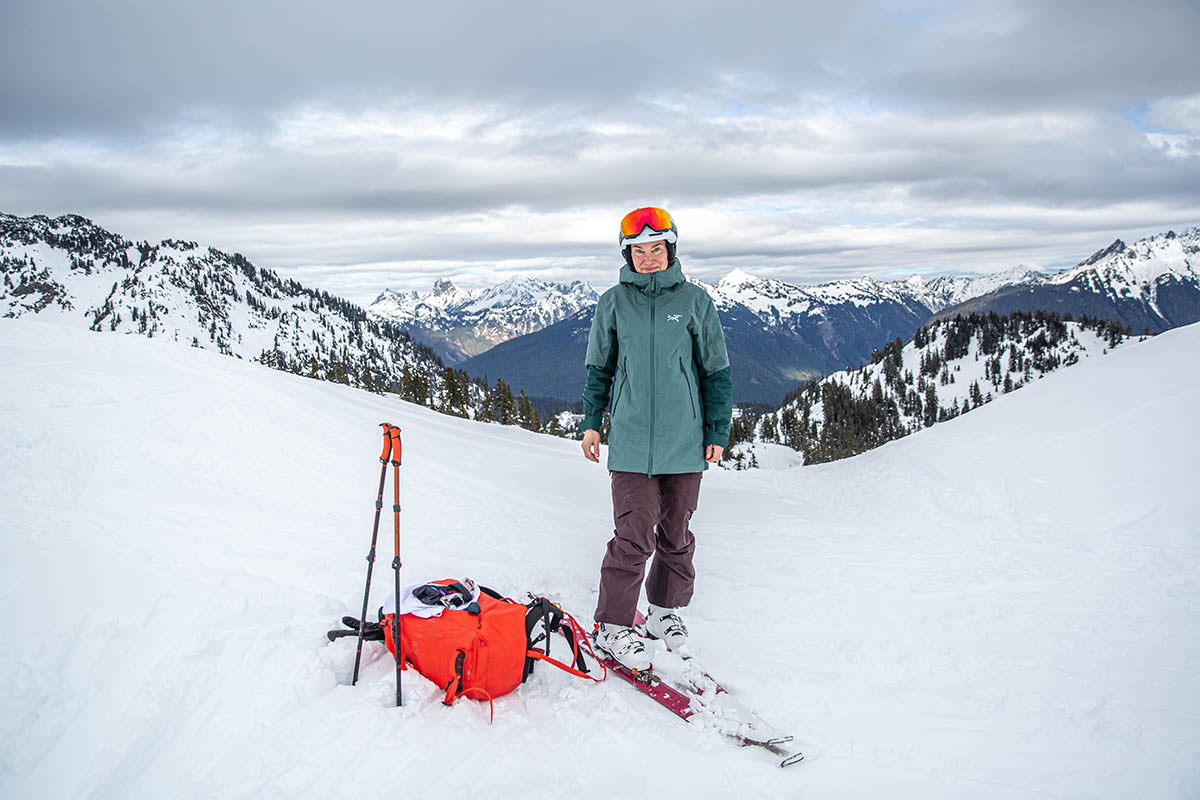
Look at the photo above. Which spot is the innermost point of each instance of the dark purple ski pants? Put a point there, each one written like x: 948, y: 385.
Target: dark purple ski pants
x: 651, y: 513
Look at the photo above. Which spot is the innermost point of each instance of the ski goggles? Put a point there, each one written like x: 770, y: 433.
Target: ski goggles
x: 647, y: 225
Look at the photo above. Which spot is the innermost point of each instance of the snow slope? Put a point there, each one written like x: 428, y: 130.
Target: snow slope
x: 1006, y: 605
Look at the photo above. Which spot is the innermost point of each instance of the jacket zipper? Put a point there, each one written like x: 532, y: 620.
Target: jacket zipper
x: 688, y: 381
x: 653, y: 377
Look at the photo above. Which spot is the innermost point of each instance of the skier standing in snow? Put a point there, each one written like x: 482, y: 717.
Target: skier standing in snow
x: 657, y: 339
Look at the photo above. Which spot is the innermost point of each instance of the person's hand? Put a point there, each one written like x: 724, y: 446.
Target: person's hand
x: 591, y: 445
x: 712, y: 454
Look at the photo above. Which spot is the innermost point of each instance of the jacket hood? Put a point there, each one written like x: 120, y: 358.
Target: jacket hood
x: 669, y: 277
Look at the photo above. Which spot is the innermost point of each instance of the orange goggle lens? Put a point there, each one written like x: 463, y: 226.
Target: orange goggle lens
x: 635, y: 221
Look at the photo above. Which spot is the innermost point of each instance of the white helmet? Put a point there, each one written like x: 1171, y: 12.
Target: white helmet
x: 648, y: 224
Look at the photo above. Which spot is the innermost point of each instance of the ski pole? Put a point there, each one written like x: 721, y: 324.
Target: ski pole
x: 397, y: 455
x: 362, y: 619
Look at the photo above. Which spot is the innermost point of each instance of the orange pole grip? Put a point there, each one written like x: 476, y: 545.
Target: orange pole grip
x: 397, y: 446
x: 387, y: 442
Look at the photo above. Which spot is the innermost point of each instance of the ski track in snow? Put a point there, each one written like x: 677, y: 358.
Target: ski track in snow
x: 1006, y: 605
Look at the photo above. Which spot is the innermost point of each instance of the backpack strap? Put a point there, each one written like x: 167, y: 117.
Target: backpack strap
x: 386, y: 629
x: 492, y: 593
x: 540, y: 611
x: 554, y: 618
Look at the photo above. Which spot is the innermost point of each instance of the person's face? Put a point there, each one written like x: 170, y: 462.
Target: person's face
x: 649, y: 257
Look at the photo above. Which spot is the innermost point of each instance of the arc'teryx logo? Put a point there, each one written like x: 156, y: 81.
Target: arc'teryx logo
x: 673, y: 317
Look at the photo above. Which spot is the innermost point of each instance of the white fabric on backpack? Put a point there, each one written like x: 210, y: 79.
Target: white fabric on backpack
x: 409, y: 604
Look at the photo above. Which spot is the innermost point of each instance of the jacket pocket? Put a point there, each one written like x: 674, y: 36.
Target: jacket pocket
x: 688, y: 381
x: 612, y: 407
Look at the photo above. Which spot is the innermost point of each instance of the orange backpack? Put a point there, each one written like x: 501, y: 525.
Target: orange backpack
x: 488, y: 654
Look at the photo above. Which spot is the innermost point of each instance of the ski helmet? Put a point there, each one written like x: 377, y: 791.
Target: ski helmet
x: 647, y: 225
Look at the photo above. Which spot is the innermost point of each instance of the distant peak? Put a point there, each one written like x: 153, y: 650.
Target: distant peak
x: 444, y: 286
x: 73, y: 220
x: 1114, y: 248
x: 736, y: 276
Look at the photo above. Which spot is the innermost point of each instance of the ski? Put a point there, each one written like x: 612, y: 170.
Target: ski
x: 712, y: 696
x: 711, y: 693
x: 689, y: 708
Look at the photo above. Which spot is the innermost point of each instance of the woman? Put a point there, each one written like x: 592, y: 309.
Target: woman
x: 658, y: 340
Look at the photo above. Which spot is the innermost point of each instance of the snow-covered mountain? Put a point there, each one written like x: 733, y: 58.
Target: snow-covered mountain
x: 72, y: 270
x: 1002, y: 606
x: 1158, y: 274
x: 785, y: 304
x: 944, y: 291
x: 778, y: 334
x: 460, y: 323
x: 834, y: 325
x: 951, y: 366
x: 1152, y: 284
x: 1123, y: 270
x: 781, y: 334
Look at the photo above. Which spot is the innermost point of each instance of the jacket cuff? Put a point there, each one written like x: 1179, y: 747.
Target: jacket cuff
x: 720, y: 438
x: 593, y: 422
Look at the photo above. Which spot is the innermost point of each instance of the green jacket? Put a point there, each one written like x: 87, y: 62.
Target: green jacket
x: 658, y: 339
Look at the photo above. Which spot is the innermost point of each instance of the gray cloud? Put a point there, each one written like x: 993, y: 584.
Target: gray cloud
x: 73, y: 65
x: 372, y: 144
x: 1062, y: 54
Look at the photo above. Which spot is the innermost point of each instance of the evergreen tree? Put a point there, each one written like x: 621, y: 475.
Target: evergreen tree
x: 504, y: 405
x: 932, y: 407
x: 452, y: 401
x: 485, y: 404
x: 527, y: 415
x: 464, y: 391
x: 976, y: 394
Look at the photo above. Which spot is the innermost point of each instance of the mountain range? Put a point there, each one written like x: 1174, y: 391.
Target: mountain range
x: 779, y: 334
x: 460, y: 323
x: 534, y: 333
x: 72, y: 270
x: 1151, y: 285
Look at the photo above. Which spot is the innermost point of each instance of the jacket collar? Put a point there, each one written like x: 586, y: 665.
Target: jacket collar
x: 654, y: 282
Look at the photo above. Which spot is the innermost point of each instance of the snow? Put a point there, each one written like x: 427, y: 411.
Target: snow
x: 1006, y: 605
x: 767, y: 455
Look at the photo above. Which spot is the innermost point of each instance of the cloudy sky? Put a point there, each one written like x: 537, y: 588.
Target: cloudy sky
x: 361, y: 145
